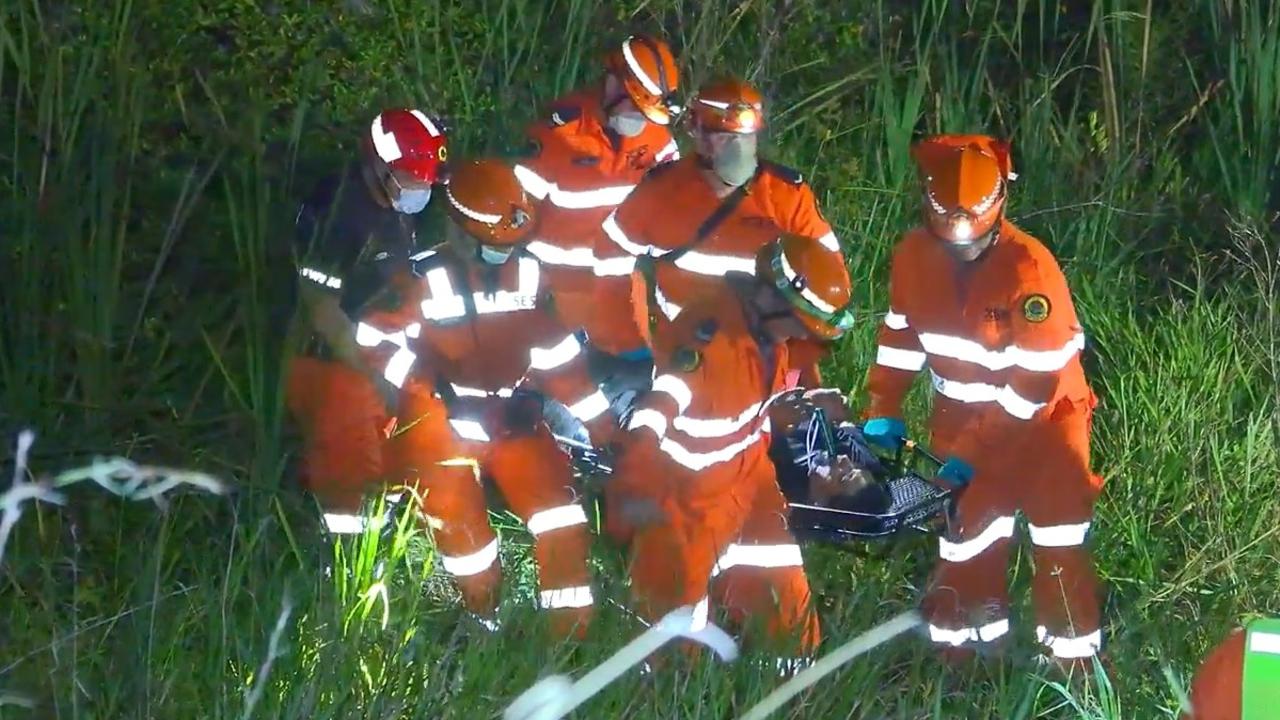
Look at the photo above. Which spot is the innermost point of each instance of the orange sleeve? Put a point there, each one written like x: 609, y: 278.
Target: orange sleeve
x: 804, y: 218
x: 559, y: 369
x: 621, y: 301
x: 899, y: 356
x: 1048, y: 338
x: 391, y: 340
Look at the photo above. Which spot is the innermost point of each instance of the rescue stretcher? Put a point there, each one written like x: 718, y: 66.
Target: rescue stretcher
x: 896, y: 495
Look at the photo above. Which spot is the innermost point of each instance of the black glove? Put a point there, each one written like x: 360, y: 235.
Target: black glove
x: 523, y: 412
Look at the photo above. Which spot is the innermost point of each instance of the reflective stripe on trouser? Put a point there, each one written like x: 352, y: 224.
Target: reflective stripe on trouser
x: 731, y: 546
x: 1043, y: 475
x: 340, y: 416
x: 534, y: 478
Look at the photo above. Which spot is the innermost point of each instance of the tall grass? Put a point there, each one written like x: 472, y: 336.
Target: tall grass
x: 154, y: 164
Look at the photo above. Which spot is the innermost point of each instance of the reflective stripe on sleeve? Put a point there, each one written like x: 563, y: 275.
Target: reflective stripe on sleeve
x: 555, y: 356
x: 1069, y: 535
x: 473, y: 564
x: 899, y: 359
x: 1070, y: 648
x: 544, y: 521
x: 1001, y: 528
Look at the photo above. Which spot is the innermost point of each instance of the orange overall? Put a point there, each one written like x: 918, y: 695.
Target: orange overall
x: 350, y: 247
x: 1001, y: 342
x: 580, y: 169
x: 697, y: 448
x: 664, y: 213
x: 483, y: 335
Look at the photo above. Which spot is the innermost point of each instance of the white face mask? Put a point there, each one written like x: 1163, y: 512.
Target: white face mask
x: 629, y: 123
x: 735, y: 162
x: 495, y: 255
x: 411, y: 202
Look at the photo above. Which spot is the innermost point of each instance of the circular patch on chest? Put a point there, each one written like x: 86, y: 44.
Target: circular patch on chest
x: 1036, y: 308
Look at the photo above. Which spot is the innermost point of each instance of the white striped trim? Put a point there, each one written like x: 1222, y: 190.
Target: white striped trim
x: 638, y: 71
x: 484, y: 218
x: 344, y: 523
x: 899, y: 359
x: 616, y: 234
x: 426, y: 123
x: 791, y: 275
x: 473, y: 564
x: 698, y: 461
x: 571, y: 597
x: 716, y: 427
x: 544, y: 521
x: 1070, y: 648
x: 542, y: 188
x: 669, y: 152
x: 895, y: 320
x: 1058, y: 535
x: 1006, y: 397
x: 402, y: 360
x: 649, y: 418
x: 758, y: 556
x: 958, y: 348
x: 715, y: 265
x: 330, y: 281
x: 384, y: 143
x: 675, y: 388
x: 553, y: 357
x: 590, y: 407
x: 466, y: 391
x: 1264, y: 642
x: 668, y: 308
x: 581, y: 257
x: 830, y: 242
x: 469, y: 429
x: 1001, y: 528
x: 959, y: 636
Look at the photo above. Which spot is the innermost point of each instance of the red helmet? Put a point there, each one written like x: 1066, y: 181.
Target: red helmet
x: 649, y: 74
x: 407, y: 140
x: 965, y: 181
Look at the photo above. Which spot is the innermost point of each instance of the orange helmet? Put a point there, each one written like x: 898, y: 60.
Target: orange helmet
x: 649, y: 74
x: 488, y: 202
x: 813, y: 279
x: 728, y: 105
x: 965, y: 181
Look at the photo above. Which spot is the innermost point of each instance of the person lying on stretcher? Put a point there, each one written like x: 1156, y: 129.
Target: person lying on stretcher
x: 821, y: 456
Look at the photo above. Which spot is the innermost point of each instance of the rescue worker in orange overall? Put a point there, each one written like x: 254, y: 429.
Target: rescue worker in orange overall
x: 482, y: 330
x: 694, y: 490
x: 985, y: 307
x: 583, y: 160
x: 687, y: 225
x: 1240, y: 678
x: 354, y: 236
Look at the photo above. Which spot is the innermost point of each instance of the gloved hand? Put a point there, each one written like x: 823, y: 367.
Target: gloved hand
x: 956, y: 472
x: 888, y: 433
x: 523, y: 413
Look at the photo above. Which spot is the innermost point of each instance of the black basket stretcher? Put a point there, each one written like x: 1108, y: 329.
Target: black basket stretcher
x: 900, y: 498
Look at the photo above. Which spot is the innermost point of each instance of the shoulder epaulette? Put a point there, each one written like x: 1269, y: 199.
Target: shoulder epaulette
x: 782, y: 172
